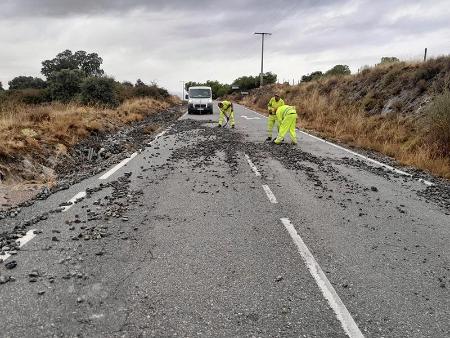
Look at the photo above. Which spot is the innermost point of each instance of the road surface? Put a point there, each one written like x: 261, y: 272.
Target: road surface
x: 213, y: 232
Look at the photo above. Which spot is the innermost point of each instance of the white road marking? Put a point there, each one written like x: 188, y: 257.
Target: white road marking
x: 400, y: 172
x: 75, y: 198
x: 269, y: 194
x: 117, y: 167
x: 22, y: 241
x: 250, y: 118
x: 125, y: 161
x: 250, y: 163
x: 342, y: 314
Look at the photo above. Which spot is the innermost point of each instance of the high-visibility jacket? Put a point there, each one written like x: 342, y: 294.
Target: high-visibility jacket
x: 273, y: 105
x: 227, y: 107
x: 285, y: 110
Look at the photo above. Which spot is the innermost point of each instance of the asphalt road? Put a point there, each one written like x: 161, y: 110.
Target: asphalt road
x: 213, y: 232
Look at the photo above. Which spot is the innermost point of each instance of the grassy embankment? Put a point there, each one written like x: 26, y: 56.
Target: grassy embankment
x: 401, y: 110
x: 41, y: 132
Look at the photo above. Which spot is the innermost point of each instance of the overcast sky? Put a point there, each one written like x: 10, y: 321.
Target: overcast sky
x: 170, y: 41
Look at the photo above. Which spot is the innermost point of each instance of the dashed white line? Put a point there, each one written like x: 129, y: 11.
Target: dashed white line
x: 117, y: 167
x: 73, y: 200
x: 250, y: 118
x: 400, y: 172
x: 250, y: 163
x: 22, y: 241
x: 342, y: 314
x: 269, y: 194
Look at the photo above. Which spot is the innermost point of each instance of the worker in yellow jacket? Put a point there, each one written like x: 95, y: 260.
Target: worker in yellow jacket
x: 226, y: 112
x: 274, y: 103
x: 287, y: 121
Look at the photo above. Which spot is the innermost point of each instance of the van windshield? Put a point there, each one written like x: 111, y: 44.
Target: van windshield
x: 199, y: 93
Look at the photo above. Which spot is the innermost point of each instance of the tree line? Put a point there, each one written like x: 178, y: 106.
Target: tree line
x: 243, y: 83
x: 77, y: 77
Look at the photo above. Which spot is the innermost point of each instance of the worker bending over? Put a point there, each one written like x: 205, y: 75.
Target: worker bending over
x: 274, y: 103
x: 287, y: 121
x: 226, y: 112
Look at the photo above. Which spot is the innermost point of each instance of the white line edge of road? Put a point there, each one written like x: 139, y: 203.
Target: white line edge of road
x: 252, y: 165
x: 117, y: 167
x: 400, y: 172
x: 333, y: 299
x: 128, y: 159
x: 22, y: 241
x: 73, y: 200
x: 82, y: 194
x: 269, y: 194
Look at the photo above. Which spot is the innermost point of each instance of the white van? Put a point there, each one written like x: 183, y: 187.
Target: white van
x: 200, y: 100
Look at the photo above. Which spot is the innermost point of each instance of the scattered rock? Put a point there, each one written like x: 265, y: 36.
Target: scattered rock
x: 11, y: 265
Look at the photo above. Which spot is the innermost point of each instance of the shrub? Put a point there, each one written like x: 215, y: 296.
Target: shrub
x: 26, y: 82
x: 437, y: 122
x: 65, y: 84
x: 99, y: 91
x: 312, y: 76
x: 339, y: 70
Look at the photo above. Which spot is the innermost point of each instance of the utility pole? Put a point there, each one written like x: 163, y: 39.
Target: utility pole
x: 425, y: 55
x: 263, y: 34
x: 182, y: 92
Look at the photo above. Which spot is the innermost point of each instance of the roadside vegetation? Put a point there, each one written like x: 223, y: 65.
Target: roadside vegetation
x: 41, y: 119
x: 396, y: 108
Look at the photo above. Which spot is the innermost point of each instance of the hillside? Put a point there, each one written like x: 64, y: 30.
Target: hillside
x: 400, y: 109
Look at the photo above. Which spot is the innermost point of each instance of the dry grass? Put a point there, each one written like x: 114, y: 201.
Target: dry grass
x: 41, y: 130
x: 321, y: 108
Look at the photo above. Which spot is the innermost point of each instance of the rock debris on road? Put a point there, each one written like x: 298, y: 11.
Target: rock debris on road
x: 183, y: 241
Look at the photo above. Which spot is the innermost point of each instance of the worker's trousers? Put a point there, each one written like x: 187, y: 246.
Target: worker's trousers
x: 271, y: 121
x: 222, y: 118
x: 288, y: 124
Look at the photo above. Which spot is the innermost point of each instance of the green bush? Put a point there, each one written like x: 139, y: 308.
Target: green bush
x: 339, y: 70
x: 99, y: 91
x: 437, y: 123
x: 65, y: 85
x: 313, y: 76
x: 26, y: 82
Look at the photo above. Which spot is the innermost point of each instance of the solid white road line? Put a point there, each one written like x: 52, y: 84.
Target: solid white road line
x: 250, y: 163
x: 125, y: 161
x: 400, y: 172
x: 269, y: 194
x: 342, y: 314
x: 368, y: 159
x: 22, y: 241
x: 117, y: 167
x: 75, y: 198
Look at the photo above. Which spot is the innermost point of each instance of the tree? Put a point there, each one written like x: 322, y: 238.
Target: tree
x: 99, y: 90
x: 26, y: 82
x: 1, y: 86
x: 339, y: 70
x: 139, y: 83
x: 269, y: 78
x: 89, y: 64
x: 251, y: 82
x: 389, y: 59
x: 313, y: 76
x: 127, y: 84
x: 64, y: 85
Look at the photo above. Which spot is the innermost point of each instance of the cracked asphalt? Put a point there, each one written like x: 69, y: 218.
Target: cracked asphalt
x: 184, y: 241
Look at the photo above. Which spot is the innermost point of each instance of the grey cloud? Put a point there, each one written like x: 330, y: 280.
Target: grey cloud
x: 200, y: 39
